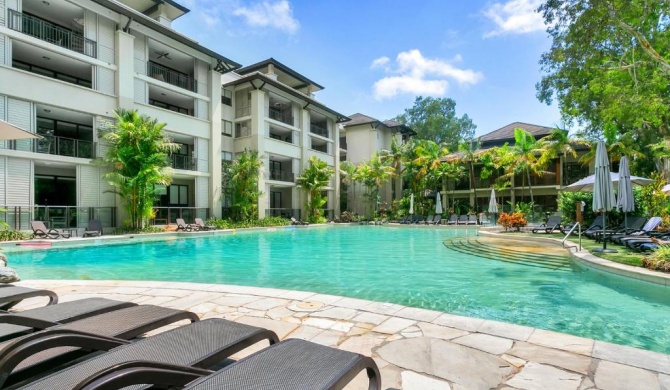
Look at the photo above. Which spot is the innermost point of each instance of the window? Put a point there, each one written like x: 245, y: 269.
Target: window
x: 227, y: 128
x: 227, y: 98
x: 226, y: 156
x: 178, y: 195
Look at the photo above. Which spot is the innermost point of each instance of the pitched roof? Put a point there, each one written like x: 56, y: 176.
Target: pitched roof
x: 360, y: 119
x: 260, y: 66
x: 507, y: 132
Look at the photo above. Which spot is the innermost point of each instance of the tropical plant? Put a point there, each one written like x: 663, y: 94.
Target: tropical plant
x: 347, y: 174
x: 373, y: 174
x: 561, y: 144
x: 514, y: 220
x: 7, y: 234
x: 139, y: 157
x: 240, y: 178
x: 653, y: 200
x: 313, y: 180
x: 658, y: 260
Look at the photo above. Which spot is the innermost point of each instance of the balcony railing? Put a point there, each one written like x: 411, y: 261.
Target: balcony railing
x: 57, y: 217
x: 184, y: 162
x: 242, y: 111
x: 318, y: 130
x: 62, y: 146
x: 279, y: 116
x: 52, y: 33
x: 172, y: 77
x: 168, y: 215
x: 282, y: 176
x: 282, y: 212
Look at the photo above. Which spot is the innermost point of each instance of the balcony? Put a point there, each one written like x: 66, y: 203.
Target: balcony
x: 170, y: 76
x: 282, y: 176
x: 52, y: 33
x: 59, y: 146
x: 318, y: 130
x: 186, y: 163
x: 281, y: 117
x: 242, y: 111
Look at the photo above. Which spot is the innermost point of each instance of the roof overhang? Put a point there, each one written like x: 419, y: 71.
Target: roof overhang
x: 281, y: 67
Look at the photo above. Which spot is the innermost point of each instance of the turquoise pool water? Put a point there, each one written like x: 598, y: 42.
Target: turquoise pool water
x: 409, y: 266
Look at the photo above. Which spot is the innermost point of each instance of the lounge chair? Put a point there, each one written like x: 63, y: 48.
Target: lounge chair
x: 437, y: 220
x: 199, y: 345
x: 453, y: 220
x: 290, y: 364
x: 11, y: 295
x: 298, y: 222
x: 14, y: 324
x: 646, y: 230
x: 19, y: 358
x: 41, y: 231
x: 553, y: 224
x: 404, y: 219
x: 597, y: 224
x: 463, y: 219
x: 484, y: 219
x: 418, y: 219
x: 634, y: 225
x: 182, y: 225
x: 645, y: 244
x: 472, y: 219
x: 201, y: 225
x: 428, y: 220
x: 94, y: 229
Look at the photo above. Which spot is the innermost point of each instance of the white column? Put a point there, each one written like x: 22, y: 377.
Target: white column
x: 125, y: 76
x: 215, y: 144
x: 258, y: 139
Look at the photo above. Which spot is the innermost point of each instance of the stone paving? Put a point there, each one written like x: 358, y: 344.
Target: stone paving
x: 414, y: 348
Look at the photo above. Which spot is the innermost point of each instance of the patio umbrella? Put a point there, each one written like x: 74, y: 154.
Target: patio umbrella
x: 586, y: 184
x: 493, y: 205
x: 438, y: 204
x: 625, y: 201
x: 411, y: 204
x: 603, y: 190
x: 666, y: 189
x: 9, y: 132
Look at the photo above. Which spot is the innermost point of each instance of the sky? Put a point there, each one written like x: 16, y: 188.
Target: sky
x: 375, y: 57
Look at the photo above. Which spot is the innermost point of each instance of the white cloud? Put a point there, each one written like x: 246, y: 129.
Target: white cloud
x: 515, y: 17
x: 380, y: 62
x: 418, y: 75
x: 277, y: 15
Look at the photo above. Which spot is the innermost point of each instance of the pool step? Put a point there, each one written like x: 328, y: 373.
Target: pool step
x: 472, y: 245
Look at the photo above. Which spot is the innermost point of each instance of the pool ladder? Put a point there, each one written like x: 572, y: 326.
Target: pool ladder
x: 579, y: 227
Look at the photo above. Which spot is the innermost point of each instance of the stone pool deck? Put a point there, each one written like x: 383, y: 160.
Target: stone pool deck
x: 414, y: 348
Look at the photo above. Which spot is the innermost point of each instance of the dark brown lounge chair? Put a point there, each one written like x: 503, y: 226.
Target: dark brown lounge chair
x: 41, y: 231
x: 201, y: 345
x: 200, y: 224
x: 11, y: 295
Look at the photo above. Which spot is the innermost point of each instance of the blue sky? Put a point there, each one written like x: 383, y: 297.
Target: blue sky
x: 375, y: 57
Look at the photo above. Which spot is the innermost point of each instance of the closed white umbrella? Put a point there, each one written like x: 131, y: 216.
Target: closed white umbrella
x: 8, y: 132
x: 493, y: 205
x: 603, y: 190
x: 411, y: 204
x: 438, y: 204
x: 625, y: 201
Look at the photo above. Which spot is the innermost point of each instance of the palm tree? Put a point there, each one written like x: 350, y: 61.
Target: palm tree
x: 313, y: 180
x: 373, y: 174
x: 347, y: 172
x: 469, y: 151
x: 242, y: 177
x: 139, y: 157
x: 525, y: 156
x: 617, y: 146
x: 560, y: 143
x: 448, y: 171
x: 395, y: 155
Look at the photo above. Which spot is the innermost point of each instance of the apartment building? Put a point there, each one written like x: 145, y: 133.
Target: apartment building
x: 66, y: 66
x: 360, y: 138
x: 271, y: 108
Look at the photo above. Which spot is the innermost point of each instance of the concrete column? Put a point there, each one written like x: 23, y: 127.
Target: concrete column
x: 303, y: 124
x: 336, y: 153
x: 215, y: 144
x: 258, y: 109
x: 125, y: 76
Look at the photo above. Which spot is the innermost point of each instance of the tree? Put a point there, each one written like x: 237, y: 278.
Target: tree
x: 561, y: 144
x: 313, y: 180
x: 347, y: 172
x: 609, y: 66
x: 241, y: 178
x: 373, y: 174
x: 435, y: 119
x: 139, y: 156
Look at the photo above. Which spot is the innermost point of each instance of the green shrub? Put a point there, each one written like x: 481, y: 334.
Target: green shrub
x: 264, y: 222
x: 12, y: 235
x: 659, y: 260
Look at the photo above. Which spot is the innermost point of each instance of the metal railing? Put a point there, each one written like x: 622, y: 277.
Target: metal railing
x: 172, y: 77
x: 57, y: 217
x: 318, y: 130
x: 184, y: 162
x: 62, y: 146
x: 578, y: 226
x: 282, y: 176
x: 283, y: 212
x: 168, y: 215
x: 242, y: 111
x: 52, y: 33
x: 278, y: 116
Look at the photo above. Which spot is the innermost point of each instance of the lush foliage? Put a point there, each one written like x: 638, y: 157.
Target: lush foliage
x: 12, y: 235
x: 263, y: 222
x: 435, y: 119
x: 313, y: 180
x: 240, y: 181
x: 138, y: 156
x: 659, y: 259
x: 514, y: 220
x: 144, y: 230
x: 652, y: 199
x: 373, y: 174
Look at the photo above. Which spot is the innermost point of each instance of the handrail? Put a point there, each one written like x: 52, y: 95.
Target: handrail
x: 576, y: 225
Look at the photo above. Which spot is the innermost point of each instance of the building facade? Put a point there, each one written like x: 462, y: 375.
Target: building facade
x: 66, y: 66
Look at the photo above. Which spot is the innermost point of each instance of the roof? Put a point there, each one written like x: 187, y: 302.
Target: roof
x: 137, y: 17
x: 268, y: 80
x: 507, y: 132
x: 360, y: 119
x: 283, y: 68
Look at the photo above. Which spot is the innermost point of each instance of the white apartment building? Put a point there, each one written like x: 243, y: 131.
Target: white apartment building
x: 65, y: 66
x: 361, y: 137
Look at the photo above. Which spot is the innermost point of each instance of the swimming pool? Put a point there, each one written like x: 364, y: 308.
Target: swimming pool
x: 408, y: 266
